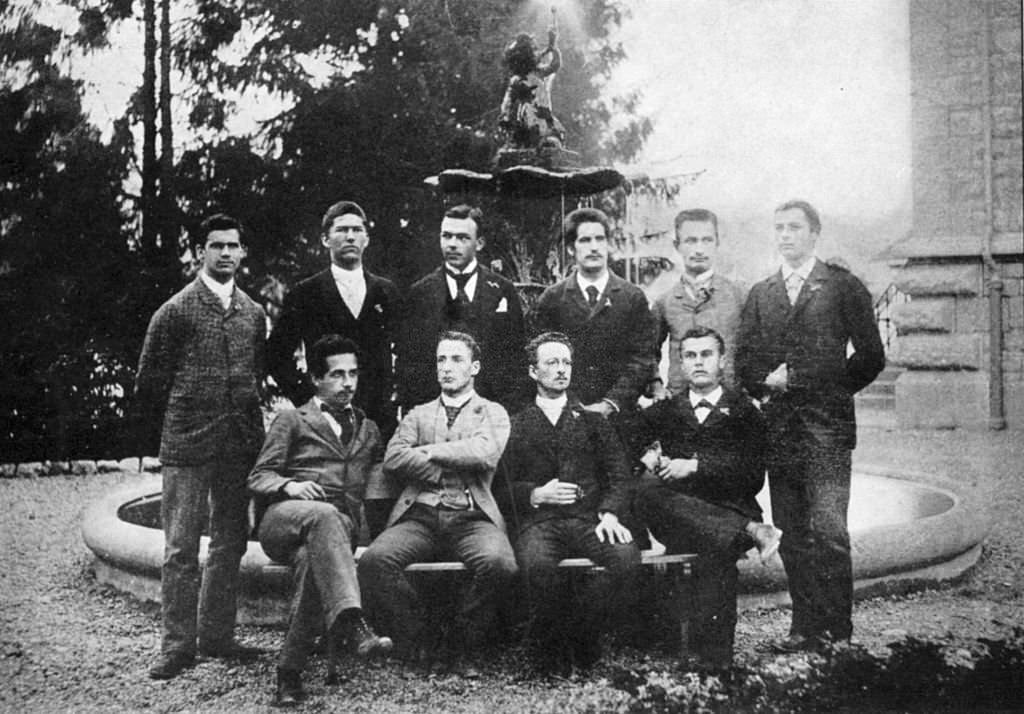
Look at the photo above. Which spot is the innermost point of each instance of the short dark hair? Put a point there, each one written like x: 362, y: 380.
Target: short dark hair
x: 328, y: 346
x: 216, y: 222
x: 464, y: 338
x: 463, y: 211
x: 341, y: 208
x: 810, y: 213
x: 580, y: 216
x: 695, y: 333
x: 542, y: 339
x: 696, y: 215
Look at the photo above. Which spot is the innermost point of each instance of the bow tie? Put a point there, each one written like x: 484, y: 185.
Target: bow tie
x: 703, y: 404
x: 345, y: 418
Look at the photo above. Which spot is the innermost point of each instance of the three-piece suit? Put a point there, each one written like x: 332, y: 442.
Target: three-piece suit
x: 317, y: 538
x: 440, y: 465
x: 199, y: 371
x: 812, y: 428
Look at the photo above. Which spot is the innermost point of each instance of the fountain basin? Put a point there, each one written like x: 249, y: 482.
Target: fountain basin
x: 905, y: 534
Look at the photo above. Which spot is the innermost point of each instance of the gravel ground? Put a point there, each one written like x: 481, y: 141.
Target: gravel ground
x: 67, y: 644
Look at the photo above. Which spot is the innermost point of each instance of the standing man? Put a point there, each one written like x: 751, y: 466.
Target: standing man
x: 445, y: 452
x: 565, y: 484
x: 701, y: 298
x: 465, y: 297
x: 350, y: 301
x: 308, y: 482
x: 606, y: 319
x: 705, y: 447
x: 200, y: 369
x: 808, y: 342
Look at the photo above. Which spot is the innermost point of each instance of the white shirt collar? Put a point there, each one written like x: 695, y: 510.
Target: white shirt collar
x: 804, y: 269
x: 712, y: 397
x: 221, y: 290
x: 583, y: 282
x: 702, y: 279
x: 347, y: 276
x: 457, y: 401
x: 468, y: 269
x: 453, y: 289
x: 552, y: 408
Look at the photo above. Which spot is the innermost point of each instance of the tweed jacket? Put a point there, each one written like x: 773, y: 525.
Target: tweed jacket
x: 833, y: 309
x: 675, y: 312
x: 300, y: 446
x: 423, y: 447
x: 200, y: 371
x: 582, y: 448
x: 314, y: 308
x: 613, y: 350
x: 494, y: 319
x: 729, y: 447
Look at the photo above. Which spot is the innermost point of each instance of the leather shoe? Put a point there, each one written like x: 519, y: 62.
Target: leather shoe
x: 231, y: 650
x: 170, y: 664
x: 289, y: 691
x: 361, y: 640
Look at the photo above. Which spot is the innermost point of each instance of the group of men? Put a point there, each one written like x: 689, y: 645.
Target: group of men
x: 759, y: 383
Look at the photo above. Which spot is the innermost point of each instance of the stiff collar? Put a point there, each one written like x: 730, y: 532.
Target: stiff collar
x: 804, y: 270
x: 341, y: 275
x: 713, y: 397
x: 583, y: 283
x: 221, y: 290
x: 459, y: 402
x: 468, y: 270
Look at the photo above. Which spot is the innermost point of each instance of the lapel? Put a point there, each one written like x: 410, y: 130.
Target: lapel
x: 682, y: 297
x: 360, y: 434
x: 811, y: 287
x: 686, y: 413
x: 209, y: 299
x: 437, y: 290
x: 778, y: 299
x: 331, y: 298
x: 314, y: 418
x: 574, y: 297
x: 374, y: 294
x: 717, y: 414
x: 488, y: 292
x: 611, y: 295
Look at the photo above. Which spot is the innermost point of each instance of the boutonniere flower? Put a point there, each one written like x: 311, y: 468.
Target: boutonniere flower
x: 379, y: 308
x: 479, y: 409
x: 814, y: 287
x: 493, y: 284
x: 607, y: 302
x: 724, y: 410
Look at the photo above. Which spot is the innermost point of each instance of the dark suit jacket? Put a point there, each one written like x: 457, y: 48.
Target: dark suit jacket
x: 582, y: 448
x: 314, y: 308
x: 494, y: 319
x: 300, y: 446
x: 200, y: 372
x: 832, y: 309
x: 613, y: 345
x: 729, y: 447
x: 471, y: 447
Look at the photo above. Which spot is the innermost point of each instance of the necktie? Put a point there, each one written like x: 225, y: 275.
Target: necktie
x: 452, y: 413
x: 461, y: 296
x: 793, y: 285
x: 702, y: 404
x: 592, y: 295
x: 344, y: 419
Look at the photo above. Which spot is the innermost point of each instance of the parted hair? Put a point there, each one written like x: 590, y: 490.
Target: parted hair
x: 810, y: 213
x: 341, y: 208
x: 585, y: 215
x: 216, y: 222
x: 696, y: 215
x: 328, y: 346
x: 464, y: 338
x: 533, y: 346
x: 463, y: 211
x: 695, y: 333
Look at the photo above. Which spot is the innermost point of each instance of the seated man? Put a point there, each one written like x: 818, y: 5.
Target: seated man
x: 310, y: 478
x: 445, y: 452
x: 706, y: 447
x: 563, y: 481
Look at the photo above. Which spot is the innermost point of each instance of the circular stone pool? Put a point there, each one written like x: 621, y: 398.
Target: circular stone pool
x: 904, y: 534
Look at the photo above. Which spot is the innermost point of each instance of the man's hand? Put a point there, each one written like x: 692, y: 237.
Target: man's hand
x: 676, y: 469
x: 603, y: 408
x: 609, y: 530
x: 555, y: 493
x: 778, y: 379
x: 304, y: 490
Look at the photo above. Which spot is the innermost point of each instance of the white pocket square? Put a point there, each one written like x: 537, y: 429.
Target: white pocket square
x: 502, y: 306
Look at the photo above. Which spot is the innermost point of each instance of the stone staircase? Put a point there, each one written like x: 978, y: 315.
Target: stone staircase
x: 876, y: 404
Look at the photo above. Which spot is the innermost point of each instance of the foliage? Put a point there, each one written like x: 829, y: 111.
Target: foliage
x: 915, y: 676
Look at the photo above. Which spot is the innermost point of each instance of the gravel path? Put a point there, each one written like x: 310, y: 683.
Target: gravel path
x: 67, y: 644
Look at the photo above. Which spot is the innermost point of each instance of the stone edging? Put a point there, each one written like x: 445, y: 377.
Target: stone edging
x: 79, y: 467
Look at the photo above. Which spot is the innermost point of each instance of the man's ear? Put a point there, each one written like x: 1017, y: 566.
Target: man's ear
x: 475, y: 368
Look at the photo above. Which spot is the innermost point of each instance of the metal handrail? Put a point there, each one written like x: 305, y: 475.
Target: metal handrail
x: 883, y: 313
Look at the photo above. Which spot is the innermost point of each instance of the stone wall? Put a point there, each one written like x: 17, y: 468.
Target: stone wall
x: 968, y: 215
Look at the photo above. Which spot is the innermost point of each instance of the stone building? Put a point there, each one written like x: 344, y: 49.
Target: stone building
x: 961, y: 332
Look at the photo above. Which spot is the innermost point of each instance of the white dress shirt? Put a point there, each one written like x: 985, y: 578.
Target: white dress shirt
x: 552, y: 408
x: 223, y: 291
x: 583, y: 282
x: 713, y: 396
x: 796, y: 277
x: 351, y: 286
x: 453, y: 289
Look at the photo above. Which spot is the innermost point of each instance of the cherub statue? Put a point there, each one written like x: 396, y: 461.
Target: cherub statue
x: 526, y: 109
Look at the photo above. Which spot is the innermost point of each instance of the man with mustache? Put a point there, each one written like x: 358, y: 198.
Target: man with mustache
x: 308, y: 482
x: 347, y: 300
x: 606, y: 319
x: 702, y: 298
x: 464, y: 296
